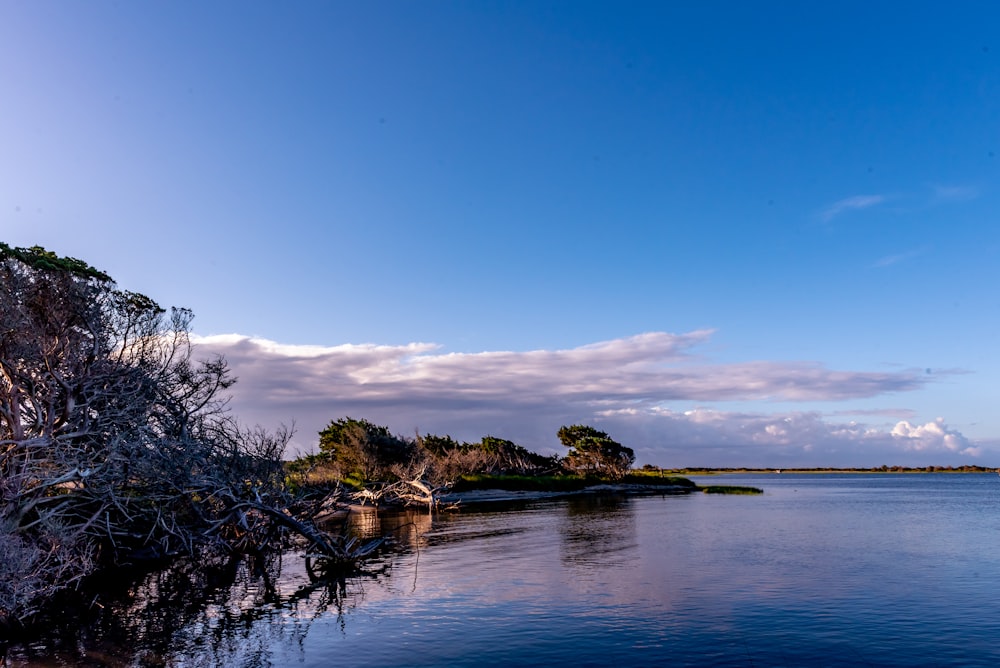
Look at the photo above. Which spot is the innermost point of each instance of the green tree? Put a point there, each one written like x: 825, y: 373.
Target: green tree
x: 507, y: 457
x: 594, y: 453
x: 366, y: 450
x: 441, y: 446
x: 446, y: 459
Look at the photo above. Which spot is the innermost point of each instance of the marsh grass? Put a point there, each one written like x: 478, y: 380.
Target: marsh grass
x: 517, y: 483
x: 730, y: 489
x: 564, y: 483
x: 658, y: 479
x: 324, y: 475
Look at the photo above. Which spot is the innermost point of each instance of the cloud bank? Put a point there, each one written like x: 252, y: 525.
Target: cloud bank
x: 624, y: 385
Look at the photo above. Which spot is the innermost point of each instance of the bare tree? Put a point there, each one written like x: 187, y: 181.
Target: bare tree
x: 115, y: 442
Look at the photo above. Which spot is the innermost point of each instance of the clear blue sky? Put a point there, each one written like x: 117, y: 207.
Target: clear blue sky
x: 814, y: 188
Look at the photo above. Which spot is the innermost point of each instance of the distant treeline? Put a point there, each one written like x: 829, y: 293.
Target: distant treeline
x: 967, y: 468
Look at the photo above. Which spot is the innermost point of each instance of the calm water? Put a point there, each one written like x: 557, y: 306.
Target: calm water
x: 823, y: 569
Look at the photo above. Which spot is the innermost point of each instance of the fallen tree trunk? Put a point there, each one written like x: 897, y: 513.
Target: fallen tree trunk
x: 336, y: 549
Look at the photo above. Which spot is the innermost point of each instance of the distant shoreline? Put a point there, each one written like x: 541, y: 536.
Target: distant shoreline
x: 891, y: 469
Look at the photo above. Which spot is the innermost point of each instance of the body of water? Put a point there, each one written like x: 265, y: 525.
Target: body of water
x: 823, y: 569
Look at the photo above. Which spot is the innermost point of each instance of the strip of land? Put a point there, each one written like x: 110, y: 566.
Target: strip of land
x: 876, y: 469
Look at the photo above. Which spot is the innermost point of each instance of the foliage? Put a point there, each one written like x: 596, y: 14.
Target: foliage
x: 441, y: 446
x: 594, y: 453
x: 507, y: 457
x: 447, y: 460
x: 365, y: 450
x: 371, y: 453
x: 41, y: 260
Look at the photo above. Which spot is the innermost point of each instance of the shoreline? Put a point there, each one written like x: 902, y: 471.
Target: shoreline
x: 825, y: 470
x: 475, y: 497
x: 478, y: 496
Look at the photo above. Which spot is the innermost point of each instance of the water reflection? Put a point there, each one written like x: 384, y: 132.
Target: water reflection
x: 815, y: 572
x: 404, y: 527
x: 598, y: 532
x: 238, y: 613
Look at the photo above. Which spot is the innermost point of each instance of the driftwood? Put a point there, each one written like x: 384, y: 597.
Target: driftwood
x: 406, y: 492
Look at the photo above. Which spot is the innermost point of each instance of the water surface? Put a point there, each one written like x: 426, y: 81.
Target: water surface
x: 823, y: 569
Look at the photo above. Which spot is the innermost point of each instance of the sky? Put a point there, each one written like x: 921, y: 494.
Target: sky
x: 727, y: 233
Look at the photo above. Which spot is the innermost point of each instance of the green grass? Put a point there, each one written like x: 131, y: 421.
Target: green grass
x: 320, y: 476
x: 563, y: 483
x: 657, y: 479
x: 557, y: 483
x: 729, y: 489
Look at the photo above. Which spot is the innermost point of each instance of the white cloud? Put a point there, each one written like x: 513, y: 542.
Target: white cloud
x: 932, y: 436
x: 624, y: 384
x: 854, y: 203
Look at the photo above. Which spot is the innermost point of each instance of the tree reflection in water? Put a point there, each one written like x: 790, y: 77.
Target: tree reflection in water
x: 235, y: 613
x: 597, y: 530
x: 245, y: 611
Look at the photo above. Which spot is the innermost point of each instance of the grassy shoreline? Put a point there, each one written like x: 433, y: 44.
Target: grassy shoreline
x: 487, y: 488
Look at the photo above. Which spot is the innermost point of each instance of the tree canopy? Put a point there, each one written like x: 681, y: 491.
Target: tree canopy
x: 593, y: 452
x: 363, y: 449
x: 370, y: 452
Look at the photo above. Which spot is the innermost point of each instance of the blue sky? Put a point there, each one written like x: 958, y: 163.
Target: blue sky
x: 773, y: 224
